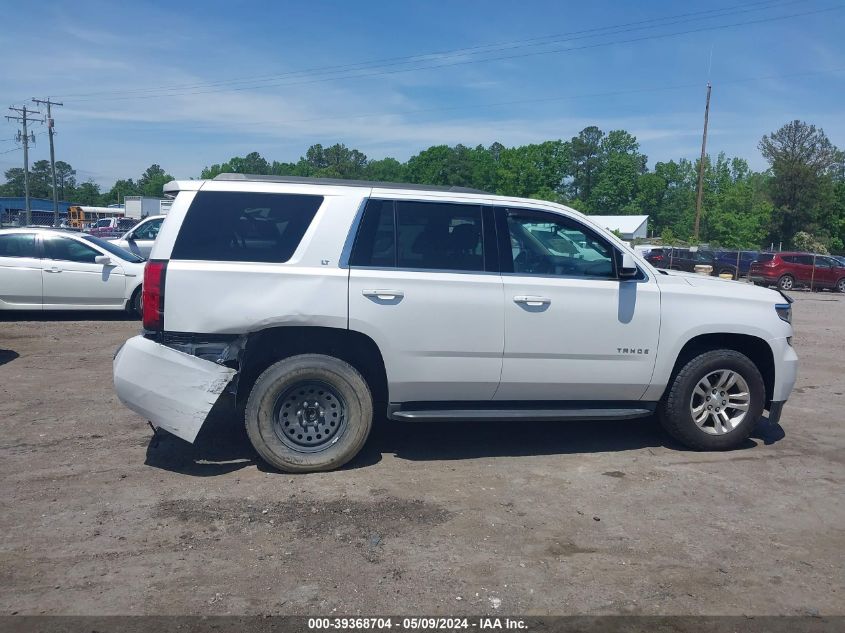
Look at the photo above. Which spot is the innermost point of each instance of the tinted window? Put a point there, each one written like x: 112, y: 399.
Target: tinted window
x: 250, y: 227
x: 439, y: 236
x: 548, y: 244
x: 17, y: 245
x: 765, y: 257
x: 69, y: 250
x: 375, y: 243
x: 807, y: 260
x: 148, y: 231
x: 111, y: 248
x: 425, y: 235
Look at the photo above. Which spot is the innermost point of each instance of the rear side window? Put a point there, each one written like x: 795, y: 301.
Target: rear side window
x: 17, y: 245
x: 765, y: 257
x: 420, y: 235
x: 232, y: 226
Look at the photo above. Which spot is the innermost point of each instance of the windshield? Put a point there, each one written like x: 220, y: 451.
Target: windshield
x: 114, y: 250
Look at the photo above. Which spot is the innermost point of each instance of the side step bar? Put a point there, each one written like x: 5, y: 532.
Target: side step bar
x: 515, y: 415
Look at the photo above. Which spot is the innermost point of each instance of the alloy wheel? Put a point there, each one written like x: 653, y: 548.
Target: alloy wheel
x: 720, y: 401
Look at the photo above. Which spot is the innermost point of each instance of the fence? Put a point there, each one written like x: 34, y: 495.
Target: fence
x: 12, y: 218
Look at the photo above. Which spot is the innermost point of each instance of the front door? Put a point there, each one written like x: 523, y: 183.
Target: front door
x: 422, y: 285
x: 72, y: 279
x: 573, y: 329
x: 20, y: 272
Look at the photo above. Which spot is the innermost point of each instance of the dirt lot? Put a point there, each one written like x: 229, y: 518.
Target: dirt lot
x: 607, y: 517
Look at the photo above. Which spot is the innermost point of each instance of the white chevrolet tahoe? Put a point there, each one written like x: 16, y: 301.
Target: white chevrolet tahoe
x: 320, y: 304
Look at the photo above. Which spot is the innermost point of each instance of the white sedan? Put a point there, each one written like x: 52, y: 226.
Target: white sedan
x: 140, y: 238
x: 51, y: 269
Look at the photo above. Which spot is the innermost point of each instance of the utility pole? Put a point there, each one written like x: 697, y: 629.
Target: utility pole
x: 50, y: 127
x: 700, y: 192
x: 24, y: 117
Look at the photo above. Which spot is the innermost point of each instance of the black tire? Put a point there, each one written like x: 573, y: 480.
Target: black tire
x: 786, y: 282
x: 840, y: 285
x: 135, y: 305
x: 271, y: 394
x: 675, y: 412
x: 729, y: 271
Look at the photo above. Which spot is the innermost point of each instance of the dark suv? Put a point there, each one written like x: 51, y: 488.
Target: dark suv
x: 687, y: 259
x: 788, y: 270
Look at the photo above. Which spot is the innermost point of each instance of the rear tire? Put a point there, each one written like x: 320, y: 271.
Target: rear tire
x: 721, y: 375
x: 786, y: 282
x: 309, y: 413
x: 840, y: 285
x: 135, y: 304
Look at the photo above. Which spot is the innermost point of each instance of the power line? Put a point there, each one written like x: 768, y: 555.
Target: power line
x: 544, y: 99
x: 552, y: 39
x: 24, y: 117
x: 50, y: 126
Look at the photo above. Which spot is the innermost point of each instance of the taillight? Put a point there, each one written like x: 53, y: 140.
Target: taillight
x: 770, y: 264
x: 656, y: 258
x: 152, y: 295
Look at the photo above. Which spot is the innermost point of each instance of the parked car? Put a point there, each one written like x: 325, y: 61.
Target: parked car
x: 726, y: 261
x: 686, y: 259
x: 52, y: 269
x: 110, y: 227
x: 787, y: 270
x: 139, y: 239
x: 321, y: 303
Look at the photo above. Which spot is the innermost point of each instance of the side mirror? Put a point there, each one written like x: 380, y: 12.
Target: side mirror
x: 105, y: 260
x: 628, y: 267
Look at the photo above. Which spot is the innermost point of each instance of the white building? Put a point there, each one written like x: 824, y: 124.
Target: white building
x: 630, y: 226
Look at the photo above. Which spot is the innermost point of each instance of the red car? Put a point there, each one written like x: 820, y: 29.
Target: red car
x: 788, y: 270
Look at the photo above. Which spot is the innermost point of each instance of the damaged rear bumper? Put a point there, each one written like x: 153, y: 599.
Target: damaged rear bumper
x: 170, y: 388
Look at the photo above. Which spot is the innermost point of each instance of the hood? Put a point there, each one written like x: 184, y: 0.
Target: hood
x: 721, y: 287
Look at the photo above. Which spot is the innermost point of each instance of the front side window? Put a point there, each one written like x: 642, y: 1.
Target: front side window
x: 250, y: 227
x: 66, y: 249
x: 420, y: 235
x: 148, y: 230
x: 550, y: 244
x: 17, y: 245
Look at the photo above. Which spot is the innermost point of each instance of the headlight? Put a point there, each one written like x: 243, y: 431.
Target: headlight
x: 784, y: 311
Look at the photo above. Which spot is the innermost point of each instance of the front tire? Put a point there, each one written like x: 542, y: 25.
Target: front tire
x: 309, y: 413
x: 840, y: 285
x: 714, y: 401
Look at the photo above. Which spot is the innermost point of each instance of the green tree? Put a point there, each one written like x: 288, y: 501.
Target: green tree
x: 586, y: 157
x: 88, y: 193
x: 65, y: 179
x: 152, y: 181
x: 803, y: 163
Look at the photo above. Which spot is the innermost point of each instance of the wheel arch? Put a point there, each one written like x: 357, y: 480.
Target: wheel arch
x: 270, y: 345
x: 754, y: 347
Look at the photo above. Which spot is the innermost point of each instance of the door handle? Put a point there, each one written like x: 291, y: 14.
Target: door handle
x: 54, y: 269
x: 532, y: 300
x: 384, y: 295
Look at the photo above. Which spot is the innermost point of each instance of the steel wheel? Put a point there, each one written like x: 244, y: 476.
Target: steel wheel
x: 309, y: 416
x: 720, y: 402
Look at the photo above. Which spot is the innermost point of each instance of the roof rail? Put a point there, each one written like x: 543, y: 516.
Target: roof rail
x: 340, y: 182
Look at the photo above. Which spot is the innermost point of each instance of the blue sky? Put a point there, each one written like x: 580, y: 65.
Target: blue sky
x: 187, y: 84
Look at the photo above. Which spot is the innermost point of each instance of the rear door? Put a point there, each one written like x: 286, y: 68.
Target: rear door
x: 573, y: 330
x: 423, y: 285
x: 20, y: 272
x: 72, y: 279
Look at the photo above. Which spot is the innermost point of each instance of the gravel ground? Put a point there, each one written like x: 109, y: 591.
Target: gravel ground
x: 577, y: 518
